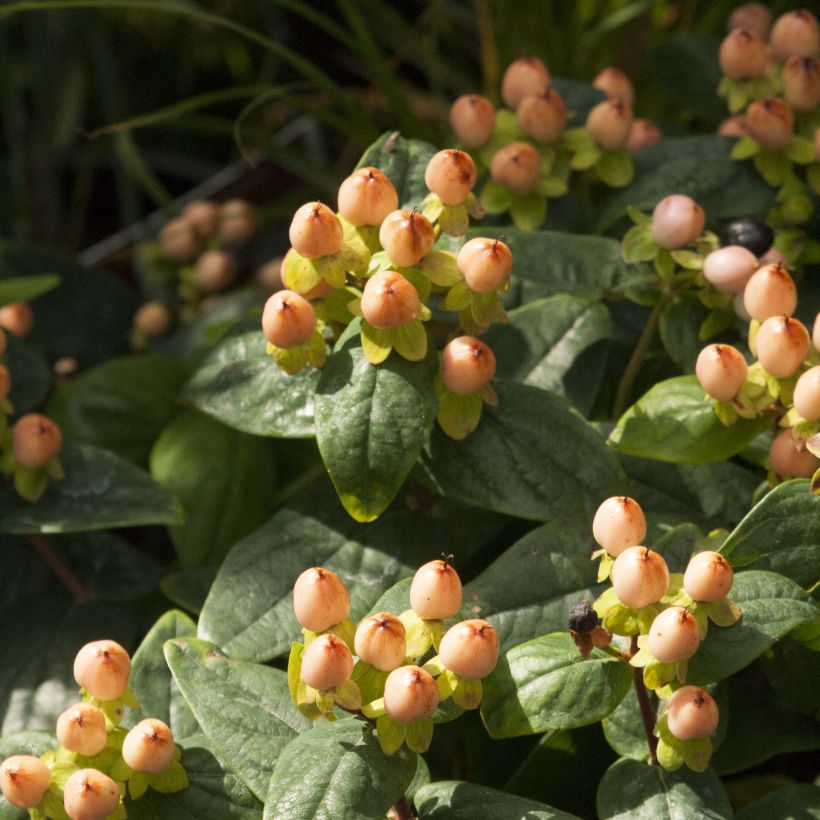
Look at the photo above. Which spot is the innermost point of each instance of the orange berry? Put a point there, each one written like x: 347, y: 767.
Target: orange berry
x: 782, y: 343
x: 90, y: 795
x: 288, y: 319
x: 609, y: 123
x: 81, y: 728
x: 795, y: 33
x: 472, y: 118
x: 708, y: 577
x: 743, y: 54
x: 410, y: 694
x: 691, y: 713
x: 315, y: 231
x: 516, y: 166
x: 470, y: 649
x: 771, y: 123
x: 367, y: 196
x: 788, y: 461
x: 380, y: 641
x: 36, y: 439
x: 466, y: 365
x: 525, y: 76
x: 435, y: 592
x: 327, y: 662
x: 389, y: 300
x: 102, y: 669
x: 615, y: 84
x: 485, y: 264
x: 24, y: 780
x: 320, y: 599
x: 721, y: 371
x: 17, y: 318
x: 215, y: 271
x: 203, y: 216
x: 149, y: 746
x: 407, y: 237
x: 450, y: 175
x: 543, y: 116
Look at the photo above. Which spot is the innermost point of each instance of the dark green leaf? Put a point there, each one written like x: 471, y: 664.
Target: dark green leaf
x: 697, y: 166
x: 580, y: 98
x: 26, y: 288
x: 152, y: 682
x: 121, y: 405
x: 30, y: 375
x: 249, y: 611
x: 224, y: 479
x: 454, y: 800
x: 337, y: 770
x: 545, y: 684
x: 781, y: 533
x: 772, y: 606
x: 371, y: 422
x: 674, y: 422
x: 189, y: 588
x: 633, y: 789
x: 241, y: 386
x: 99, y: 491
x: 532, y: 456
x: 543, y: 340
x: 798, y: 802
x: 404, y: 161
x: 679, y: 326
x: 624, y: 731
x: 243, y: 708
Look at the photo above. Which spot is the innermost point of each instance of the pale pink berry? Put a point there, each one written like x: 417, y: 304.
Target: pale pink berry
x: 619, y: 523
x: 472, y: 118
x: 770, y: 291
x: 315, y: 231
x: 754, y: 16
x: 24, y: 780
x: 320, y: 599
x: 721, y: 371
x: 807, y: 394
x: 237, y: 222
x: 90, y: 795
x: 203, y: 216
x: 730, y: 268
x: 815, y: 334
x: 609, y: 123
x: 740, y: 308
x: 640, y: 577
x: 327, y: 662
x: 677, y: 220
x: 81, y: 728
x: 435, y: 592
x: 36, y: 439
x: 17, y: 318
x: 380, y: 641
x: 485, y: 264
x: 615, y: 84
x: 467, y: 364
x: 525, y: 76
x: 543, y: 116
x: 708, y: 577
x: 149, y: 746
x: 674, y: 635
x: 102, y: 669
x: 743, y: 54
x: 691, y: 713
x: 179, y: 241
x: 367, y: 196
x: 288, y: 319
x: 642, y: 133
x: 788, y: 461
x: 801, y: 83
x: 771, y: 123
x: 516, y: 166
x: 795, y: 33
x: 470, y: 649
x: 450, y: 175
x: 407, y: 237
x: 734, y: 126
x: 389, y: 300
x: 410, y: 694
x: 782, y: 343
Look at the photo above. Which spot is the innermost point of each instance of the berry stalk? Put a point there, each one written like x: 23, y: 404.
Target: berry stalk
x: 646, y: 707
x: 79, y: 591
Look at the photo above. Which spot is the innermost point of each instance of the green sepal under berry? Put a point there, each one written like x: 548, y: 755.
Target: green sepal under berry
x: 294, y: 359
x: 454, y: 220
x: 584, y: 151
x: 390, y: 735
x: 757, y: 393
x: 369, y: 680
x: 605, y: 566
x: 739, y: 93
x: 459, y: 415
x: 114, y: 710
x: 528, y: 211
x: 420, y: 634
x: 615, y: 168
x: 673, y: 753
x: 441, y: 269
x: 334, y: 307
x: 483, y: 309
x: 409, y: 341
x: 346, y: 631
x: 419, y: 735
x: 655, y: 673
x: 621, y: 619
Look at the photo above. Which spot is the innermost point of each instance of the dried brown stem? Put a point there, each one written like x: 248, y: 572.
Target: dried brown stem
x: 79, y: 591
x: 646, y: 708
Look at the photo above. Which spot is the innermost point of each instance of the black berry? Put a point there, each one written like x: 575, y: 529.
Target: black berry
x: 753, y: 234
x: 582, y: 617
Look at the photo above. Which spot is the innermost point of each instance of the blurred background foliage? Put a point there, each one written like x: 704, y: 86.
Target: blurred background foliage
x: 113, y: 108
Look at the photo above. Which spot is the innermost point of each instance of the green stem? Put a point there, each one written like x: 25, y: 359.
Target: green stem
x: 636, y: 360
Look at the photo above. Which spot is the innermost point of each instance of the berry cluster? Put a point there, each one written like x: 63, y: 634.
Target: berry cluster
x: 393, y: 680
x: 86, y: 776
x: 379, y: 263
x: 667, y: 616
x: 527, y: 148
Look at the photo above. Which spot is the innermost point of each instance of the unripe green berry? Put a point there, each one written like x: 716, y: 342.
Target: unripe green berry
x: 153, y: 319
x: 149, y: 746
x: 36, y: 439
x: 470, y: 649
x: 367, y: 196
x: 782, y: 343
x: 674, y: 635
x: 389, y: 300
x: 17, y: 318
x: 743, y: 55
x: 609, y: 123
x: 640, y: 577
x: 730, y: 268
x: 525, y: 76
x: 485, y: 264
x: 807, y: 394
x: 178, y: 241
x: 410, y: 694
x: 214, y: 271
x: 466, y: 365
x: 288, y: 319
x: 769, y: 292
x: 472, y: 118
x: 543, y: 116
x: 788, y: 461
x: 795, y: 33
x: 203, y: 217
x: 315, y: 231
x: 407, y: 237
x: 380, y: 641
x: 326, y: 662
x: 24, y: 780
x: 708, y: 577
x: 801, y: 83
x: 102, y: 669
x: 615, y: 84
x: 691, y: 713
x: 642, y: 133
x: 237, y: 222
x: 771, y: 123
x: 516, y: 166
x: 90, y: 795
x: 619, y: 523
x: 81, y: 728
x: 435, y: 592
x: 450, y: 175
x: 677, y: 220
x: 721, y: 371
x: 320, y: 599
x: 753, y: 16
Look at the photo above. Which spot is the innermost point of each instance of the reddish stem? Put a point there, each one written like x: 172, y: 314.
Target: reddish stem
x: 80, y: 592
x: 402, y: 809
x: 646, y: 707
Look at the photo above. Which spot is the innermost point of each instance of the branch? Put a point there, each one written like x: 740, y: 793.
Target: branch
x: 646, y: 708
x: 79, y: 591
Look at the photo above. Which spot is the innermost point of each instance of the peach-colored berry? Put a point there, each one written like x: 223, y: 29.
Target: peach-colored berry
x: 470, y: 649
x: 708, y: 577
x: 410, y: 694
x: 149, y: 746
x: 485, y: 264
x: 721, y: 371
x: 640, y: 577
x: 450, y: 175
x: 730, y: 268
x: 740, y: 308
x: 619, y: 523
x: 90, y: 795
x: 81, y: 728
x: 615, y: 84
x: 237, y: 222
x: 179, y: 241
x: 795, y: 33
x: 691, y: 713
x: 543, y: 116
x: 642, y: 133
x: 5, y: 382
x: 807, y: 394
x: 203, y: 216
x: 102, y: 669
x: 801, y: 83
x: 770, y: 291
x: 781, y: 345
x: 3, y: 341
x: 815, y: 334
x: 407, y: 237
x: 609, y: 123
x: 787, y: 460
x: 525, y: 76
x: 315, y: 231
x: 435, y: 592
x: 753, y: 16
x: 734, y: 126
x: 36, y: 439
x: 389, y: 300
x: 326, y: 662
x: 17, y: 318
x: 380, y: 641
x: 288, y: 319
x: 516, y: 166
x: 153, y: 319
x: 24, y: 780
x: 367, y: 196
x: 320, y: 599
x: 677, y: 220
x: 215, y: 271
x: 674, y: 635
x: 467, y: 364
x: 472, y: 118
x: 743, y: 54
x: 771, y: 123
